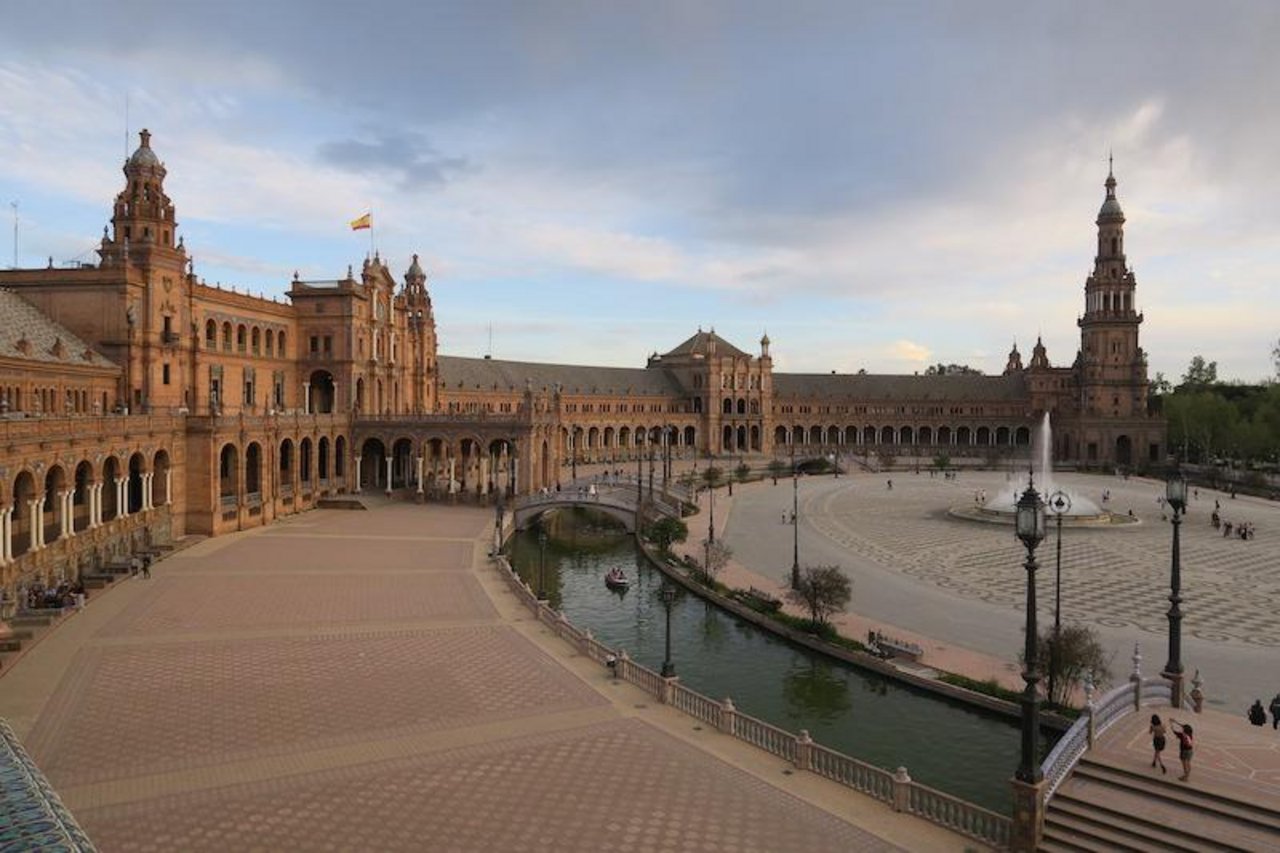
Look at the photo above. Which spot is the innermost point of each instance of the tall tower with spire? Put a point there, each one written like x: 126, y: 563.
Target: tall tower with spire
x: 422, y: 338
x: 1111, y: 368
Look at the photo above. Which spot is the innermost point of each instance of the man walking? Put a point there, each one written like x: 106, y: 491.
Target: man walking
x: 1275, y: 712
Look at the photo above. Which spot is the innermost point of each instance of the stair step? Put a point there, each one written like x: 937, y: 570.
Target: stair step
x: 10, y: 645
x: 1197, y: 798
x: 1092, y: 835
x: 1060, y: 845
x: 32, y: 621
x: 1136, y: 826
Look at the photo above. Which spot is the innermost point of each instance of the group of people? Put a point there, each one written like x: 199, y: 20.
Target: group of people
x: 39, y: 596
x: 1186, y: 744
x: 1258, y: 715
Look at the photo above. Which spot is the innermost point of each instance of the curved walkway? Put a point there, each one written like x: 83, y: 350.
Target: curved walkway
x: 364, y: 680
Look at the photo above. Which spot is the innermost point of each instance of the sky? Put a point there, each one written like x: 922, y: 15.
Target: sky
x: 878, y: 186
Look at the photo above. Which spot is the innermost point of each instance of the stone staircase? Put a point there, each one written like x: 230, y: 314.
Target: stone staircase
x: 1104, y: 806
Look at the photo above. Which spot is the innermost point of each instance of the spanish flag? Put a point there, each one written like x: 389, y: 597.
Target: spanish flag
x: 363, y: 222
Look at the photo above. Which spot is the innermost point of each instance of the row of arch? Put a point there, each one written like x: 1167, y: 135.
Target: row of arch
x: 49, y: 401
x: 589, y: 440
x: 440, y: 467
x: 945, y: 436
x: 66, y: 501
x: 297, y: 466
x: 245, y: 339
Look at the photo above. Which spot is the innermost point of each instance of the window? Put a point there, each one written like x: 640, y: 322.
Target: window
x: 248, y: 387
x: 315, y: 343
x: 328, y: 344
x: 164, y: 374
x: 211, y: 335
x: 269, y: 338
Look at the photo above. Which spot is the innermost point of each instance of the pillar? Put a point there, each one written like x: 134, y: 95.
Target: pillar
x: 168, y: 486
x: 388, y: 475
x: 306, y: 397
x: 146, y: 490
x: 95, y: 505
x: 6, y: 535
x: 122, y: 504
x: 484, y: 475
x: 420, y: 490
x: 357, y: 489
x: 64, y: 514
x: 35, y: 508
x: 336, y: 398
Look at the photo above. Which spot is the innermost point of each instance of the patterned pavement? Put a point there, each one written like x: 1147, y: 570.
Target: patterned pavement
x: 363, y: 680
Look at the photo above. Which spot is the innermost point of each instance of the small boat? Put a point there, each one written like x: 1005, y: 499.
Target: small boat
x: 616, y: 579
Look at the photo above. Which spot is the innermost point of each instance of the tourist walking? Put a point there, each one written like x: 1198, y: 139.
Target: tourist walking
x: 1158, y: 732
x: 1257, y: 715
x: 1186, y: 747
x: 1275, y: 711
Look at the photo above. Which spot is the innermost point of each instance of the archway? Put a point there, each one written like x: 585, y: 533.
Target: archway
x: 755, y: 438
x: 359, y: 401
x: 55, y: 483
x: 286, y: 468
x: 1124, y: 450
x: 726, y: 441
x: 321, y: 396
x: 340, y: 457
x: 886, y: 435
x: 944, y: 435
x: 905, y: 436
x: 137, y: 467
x: 253, y: 471
x: 322, y: 459
x: 1023, y: 437
x: 964, y: 436
x: 984, y: 436
x: 228, y: 476
x: 869, y: 435
x: 110, y: 473
x: 402, y: 463
x: 1002, y: 435
x: 780, y: 435
x: 373, y: 466
x: 80, y: 503
x: 24, y: 491
x: 741, y: 439
x: 160, y: 478
x: 690, y: 438
x: 305, y: 461
x: 815, y: 435
x: 926, y: 435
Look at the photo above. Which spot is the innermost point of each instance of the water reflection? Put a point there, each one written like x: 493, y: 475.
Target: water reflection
x: 943, y: 743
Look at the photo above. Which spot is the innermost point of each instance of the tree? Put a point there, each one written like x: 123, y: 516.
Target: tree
x: 1079, y: 655
x: 776, y: 469
x: 666, y: 531
x: 742, y: 472
x: 1199, y: 373
x: 823, y: 590
x: 711, y: 476
x: 1160, y: 386
x: 716, y: 556
x: 941, y: 369
x: 941, y: 461
x: 1275, y: 357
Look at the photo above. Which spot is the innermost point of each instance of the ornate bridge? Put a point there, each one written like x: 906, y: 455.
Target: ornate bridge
x: 616, y: 500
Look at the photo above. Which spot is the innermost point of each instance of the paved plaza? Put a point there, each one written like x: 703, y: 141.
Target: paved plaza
x: 954, y: 583
x: 365, y: 680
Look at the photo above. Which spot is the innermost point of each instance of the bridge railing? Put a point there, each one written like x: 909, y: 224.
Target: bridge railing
x: 897, y: 789
x: 1114, y: 705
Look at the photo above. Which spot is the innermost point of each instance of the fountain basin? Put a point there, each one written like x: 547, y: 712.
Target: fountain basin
x: 995, y: 515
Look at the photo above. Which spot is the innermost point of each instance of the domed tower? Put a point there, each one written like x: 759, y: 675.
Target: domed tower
x: 1039, y: 356
x: 422, y: 338
x: 1014, y: 364
x: 143, y: 216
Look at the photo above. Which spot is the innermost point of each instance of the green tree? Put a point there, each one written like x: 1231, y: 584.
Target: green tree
x: 1200, y: 373
x: 776, y: 469
x: 823, y: 590
x: 1079, y: 655
x: 1160, y: 386
x: 742, y: 472
x: 711, y: 476
x: 715, y: 556
x: 667, y: 531
x: 941, y: 461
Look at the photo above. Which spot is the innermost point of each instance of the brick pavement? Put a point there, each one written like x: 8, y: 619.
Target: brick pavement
x: 291, y: 688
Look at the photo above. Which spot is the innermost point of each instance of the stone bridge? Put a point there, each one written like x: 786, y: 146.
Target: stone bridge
x: 616, y: 501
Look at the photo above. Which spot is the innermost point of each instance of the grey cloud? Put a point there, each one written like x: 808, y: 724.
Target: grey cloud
x: 407, y: 155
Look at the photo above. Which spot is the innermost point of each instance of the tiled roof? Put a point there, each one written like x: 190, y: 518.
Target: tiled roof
x: 27, y: 334
x: 486, y: 373
x: 700, y: 343
x: 32, y: 817
x: 966, y: 387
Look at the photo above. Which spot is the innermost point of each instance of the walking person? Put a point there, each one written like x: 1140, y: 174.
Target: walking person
x: 1158, y: 733
x: 1275, y: 712
x: 1257, y: 715
x: 1186, y: 747
x: 146, y: 567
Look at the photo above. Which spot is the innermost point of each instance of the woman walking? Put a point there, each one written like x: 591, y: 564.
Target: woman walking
x: 1158, y: 733
x: 1186, y: 747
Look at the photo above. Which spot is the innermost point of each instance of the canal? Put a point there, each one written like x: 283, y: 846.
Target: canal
x: 943, y: 743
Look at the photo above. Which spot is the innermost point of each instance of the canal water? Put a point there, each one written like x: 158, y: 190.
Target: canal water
x: 943, y: 743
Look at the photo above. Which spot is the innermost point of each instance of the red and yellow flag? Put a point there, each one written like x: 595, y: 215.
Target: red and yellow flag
x: 363, y: 222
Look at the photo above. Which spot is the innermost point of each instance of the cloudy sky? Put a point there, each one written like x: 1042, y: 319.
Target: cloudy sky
x: 877, y: 185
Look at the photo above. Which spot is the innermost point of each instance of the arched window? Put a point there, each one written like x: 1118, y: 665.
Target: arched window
x: 256, y: 340
x: 211, y: 335
x: 226, y: 336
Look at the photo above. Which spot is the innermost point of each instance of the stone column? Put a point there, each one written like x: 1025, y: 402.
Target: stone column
x: 388, y: 475
x: 420, y: 488
x: 336, y: 399
x: 484, y: 475
x: 357, y: 488
x: 146, y: 490
x: 64, y: 514
x: 306, y: 397
x: 37, y: 525
x: 95, y: 505
x: 6, y: 532
x: 168, y: 486
x: 1028, y: 816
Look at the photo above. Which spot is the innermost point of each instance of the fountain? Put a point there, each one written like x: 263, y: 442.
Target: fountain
x: 1076, y: 509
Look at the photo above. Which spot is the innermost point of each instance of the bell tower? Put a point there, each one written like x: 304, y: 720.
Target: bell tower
x: 422, y: 338
x: 143, y: 216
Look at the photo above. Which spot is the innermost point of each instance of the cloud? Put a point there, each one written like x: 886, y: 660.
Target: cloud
x: 408, y: 155
x: 909, y: 351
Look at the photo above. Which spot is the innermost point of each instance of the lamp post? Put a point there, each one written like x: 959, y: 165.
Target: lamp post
x: 1031, y: 530
x: 650, y: 474
x: 497, y: 526
x: 542, y: 564
x: 1176, y: 495
x: 795, y: 520
x: 573, y: 453
x: 667, y: 595
x: 1060, y: 505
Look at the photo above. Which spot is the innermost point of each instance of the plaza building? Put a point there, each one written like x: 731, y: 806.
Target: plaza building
x: 139, y: 404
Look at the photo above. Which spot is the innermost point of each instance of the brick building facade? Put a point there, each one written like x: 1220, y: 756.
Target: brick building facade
x: 137, y: 401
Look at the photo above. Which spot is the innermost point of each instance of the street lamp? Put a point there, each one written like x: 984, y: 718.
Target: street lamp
x: 1030, y: 523
x: 1176, y: 494
x: 573, y: 453
x: 497, y: 526
x: 795, y: 520
x: 542, y: 564
x: 651, y: 453
x: 1060, y: 504
x: 667, y: 595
